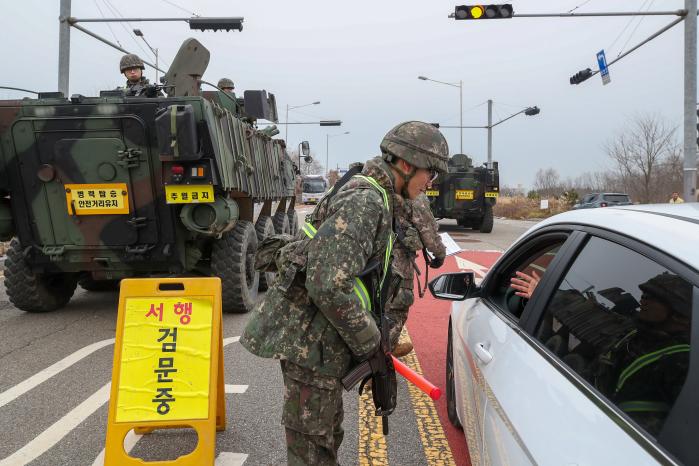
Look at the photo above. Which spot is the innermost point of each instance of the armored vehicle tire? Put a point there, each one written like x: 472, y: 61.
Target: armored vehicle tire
x: 264, y: 228
x: 281, y: 223
x: 90, y: 284
x: 487, y: 221
x: 233, y: 260
x: 35, y: 292
x: 293, y: 222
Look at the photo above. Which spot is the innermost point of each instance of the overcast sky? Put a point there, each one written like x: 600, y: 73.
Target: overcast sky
x: 361, y: 59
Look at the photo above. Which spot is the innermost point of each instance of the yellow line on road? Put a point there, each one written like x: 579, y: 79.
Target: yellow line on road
x: 372, y: 443
x: 434, y: 441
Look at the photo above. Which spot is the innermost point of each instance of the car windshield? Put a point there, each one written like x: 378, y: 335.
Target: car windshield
x: 616, y: 198
x: 313, y: 186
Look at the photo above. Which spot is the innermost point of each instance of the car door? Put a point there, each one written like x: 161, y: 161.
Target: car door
x: 477, y: 324
x: 553, y: 380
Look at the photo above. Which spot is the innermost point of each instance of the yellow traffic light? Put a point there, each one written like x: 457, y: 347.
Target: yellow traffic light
x: 477, y: 11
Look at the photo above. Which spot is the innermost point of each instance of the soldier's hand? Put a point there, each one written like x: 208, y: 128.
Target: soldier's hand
x: 437, y: 262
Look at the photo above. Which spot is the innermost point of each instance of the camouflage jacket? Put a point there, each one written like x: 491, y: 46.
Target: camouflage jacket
x: 320, y: 322
x: 415, y: 220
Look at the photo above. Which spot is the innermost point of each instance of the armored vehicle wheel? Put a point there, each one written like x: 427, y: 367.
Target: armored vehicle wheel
x: 487, y: 221
x: 281, y: 223
x: 233, y: 260
x: 293, y: 222
x: 264, y: 228
x: 35, y: 292
x: 90, y: 284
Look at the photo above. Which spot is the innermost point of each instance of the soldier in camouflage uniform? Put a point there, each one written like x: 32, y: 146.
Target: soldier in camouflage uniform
x: 226, y: 85
x: 137, y: 85
x: 415, y: 220
x: 314, y: 318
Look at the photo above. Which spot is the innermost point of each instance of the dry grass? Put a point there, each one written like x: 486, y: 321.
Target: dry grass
x: 521, y: 208
x: 3, y: 247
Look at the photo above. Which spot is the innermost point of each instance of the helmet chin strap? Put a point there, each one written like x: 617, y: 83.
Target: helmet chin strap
x: 406, y: 179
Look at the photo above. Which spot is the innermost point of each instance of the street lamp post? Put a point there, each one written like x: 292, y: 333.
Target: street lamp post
x: 327, y: 149
x: 461, y: 104
x: 286, y: 136
x: 139, y: 33
x: 529, y: 111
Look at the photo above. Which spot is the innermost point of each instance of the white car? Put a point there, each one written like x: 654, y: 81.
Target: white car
x: 596, y: 368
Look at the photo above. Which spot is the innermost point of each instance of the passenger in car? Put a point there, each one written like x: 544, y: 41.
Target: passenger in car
x: 525, y: 284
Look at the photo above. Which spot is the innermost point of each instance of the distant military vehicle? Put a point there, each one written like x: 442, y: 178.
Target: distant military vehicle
x: 95, y: 189
x: 466, y: 193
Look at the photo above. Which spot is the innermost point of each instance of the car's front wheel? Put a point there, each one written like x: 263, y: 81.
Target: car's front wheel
x: 451, y: 388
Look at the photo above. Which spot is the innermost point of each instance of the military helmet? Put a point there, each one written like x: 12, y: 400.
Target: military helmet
x: 671, y: 290
x: 418, y: 143
x: 130, y: 60
x: 225, y: 82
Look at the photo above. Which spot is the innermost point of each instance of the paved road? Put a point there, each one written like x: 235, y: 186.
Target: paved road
x: 55, y: 370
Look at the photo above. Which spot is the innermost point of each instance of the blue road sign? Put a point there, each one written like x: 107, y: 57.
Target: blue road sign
x: 603, y: 70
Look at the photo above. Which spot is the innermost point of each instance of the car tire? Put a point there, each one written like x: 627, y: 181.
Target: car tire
x: 451, y: 388
x: 90, y: 284
x: 487, y: 220
x: 281, y: 223
x: 233, y: 261
x: 264, y: 228
x: 35, y: 292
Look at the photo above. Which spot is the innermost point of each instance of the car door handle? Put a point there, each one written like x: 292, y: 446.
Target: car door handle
x: 482, y: 353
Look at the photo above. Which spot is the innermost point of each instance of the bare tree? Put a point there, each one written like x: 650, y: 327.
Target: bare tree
x: 547, y: 182
x: 644, y: 154
x: 313, y: 168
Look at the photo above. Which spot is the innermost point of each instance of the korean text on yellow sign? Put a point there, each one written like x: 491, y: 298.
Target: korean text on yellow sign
x: 165, y: 359
x: 97, y: 199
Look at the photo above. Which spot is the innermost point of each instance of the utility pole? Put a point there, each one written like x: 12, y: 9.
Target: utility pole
x: 690, y: 101
x: 490, y: 133
x: 64, y: 47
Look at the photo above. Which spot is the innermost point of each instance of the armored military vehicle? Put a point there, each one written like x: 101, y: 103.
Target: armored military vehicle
x: 95, y: 189
x: 466, y: 193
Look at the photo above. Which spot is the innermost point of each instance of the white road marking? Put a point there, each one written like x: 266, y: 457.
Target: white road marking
x: 464, y: 264
x: 230, y: 459
x: 236, y: 388
x: 59, y: 429
x: 40, y: 377
x: 130, y: 442
x: 51, y: 436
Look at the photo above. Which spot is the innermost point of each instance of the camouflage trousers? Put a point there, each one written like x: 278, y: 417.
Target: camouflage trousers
x: 397, y: 311
x: 312, y: 416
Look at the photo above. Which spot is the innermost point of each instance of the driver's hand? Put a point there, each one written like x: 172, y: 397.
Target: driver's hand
x: 524, y: 284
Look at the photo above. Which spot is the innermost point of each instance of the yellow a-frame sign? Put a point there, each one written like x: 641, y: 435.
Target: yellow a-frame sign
x: 168, y: 365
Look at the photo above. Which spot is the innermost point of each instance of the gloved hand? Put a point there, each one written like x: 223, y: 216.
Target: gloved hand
x: 437, y: 262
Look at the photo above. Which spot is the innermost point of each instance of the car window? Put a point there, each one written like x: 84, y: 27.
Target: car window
x: 588, y: 198
x: 622, y: 322
x: 535, y: 260
x: 616, y: 197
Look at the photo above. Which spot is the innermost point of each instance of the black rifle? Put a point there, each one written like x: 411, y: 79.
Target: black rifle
x: 379, y: 366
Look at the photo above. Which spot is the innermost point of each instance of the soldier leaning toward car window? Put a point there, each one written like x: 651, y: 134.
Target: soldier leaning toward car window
x: 136, y: 84
x: 312, y: 319
x: 419, y: 230
x: 676, y: 199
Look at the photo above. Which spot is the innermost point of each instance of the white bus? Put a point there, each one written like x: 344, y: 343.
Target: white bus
x: 312, y: 188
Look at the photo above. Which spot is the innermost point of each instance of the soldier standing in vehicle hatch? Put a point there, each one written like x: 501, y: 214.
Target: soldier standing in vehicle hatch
x: 419, y: 230
x: 136, y: 84
x: 315, y: 317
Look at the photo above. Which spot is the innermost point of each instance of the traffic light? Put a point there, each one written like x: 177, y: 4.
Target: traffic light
x: 500, y: 11
x: 214, y: 24
x: 581, y: 76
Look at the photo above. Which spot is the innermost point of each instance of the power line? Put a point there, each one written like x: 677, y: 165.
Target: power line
x: 627, y: 26
x: 579, y: 6
x: 634, y: 30
x: 179, y: 7
x: 116, y: 39
x: 128, y: 32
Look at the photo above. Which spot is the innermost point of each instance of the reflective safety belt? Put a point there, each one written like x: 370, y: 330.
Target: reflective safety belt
x: 646, y: 360
x: 359, y: 287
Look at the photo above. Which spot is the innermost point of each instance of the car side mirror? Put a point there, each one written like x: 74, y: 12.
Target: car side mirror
x: 453, y: 286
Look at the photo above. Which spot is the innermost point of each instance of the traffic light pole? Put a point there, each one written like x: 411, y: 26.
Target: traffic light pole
x: 490, y: 133
x: 690, y: 100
